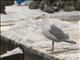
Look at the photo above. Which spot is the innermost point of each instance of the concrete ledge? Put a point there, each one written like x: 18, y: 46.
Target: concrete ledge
x: 29, y: 53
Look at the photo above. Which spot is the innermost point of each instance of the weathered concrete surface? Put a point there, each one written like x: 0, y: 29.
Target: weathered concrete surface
x: 29, y: 34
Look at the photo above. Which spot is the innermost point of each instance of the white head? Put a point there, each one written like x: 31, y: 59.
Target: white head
x: 45, y: 22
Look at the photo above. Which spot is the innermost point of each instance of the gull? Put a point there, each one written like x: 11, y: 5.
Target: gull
x: 54, y: 33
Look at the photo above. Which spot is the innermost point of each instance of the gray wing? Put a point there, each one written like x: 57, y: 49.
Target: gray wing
x: 58, y: 33
x: 48, y: 35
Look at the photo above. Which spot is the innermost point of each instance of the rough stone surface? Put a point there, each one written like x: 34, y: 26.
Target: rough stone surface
x: 28, y: 33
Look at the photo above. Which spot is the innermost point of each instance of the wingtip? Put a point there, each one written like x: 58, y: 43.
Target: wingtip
x: 72, y: 42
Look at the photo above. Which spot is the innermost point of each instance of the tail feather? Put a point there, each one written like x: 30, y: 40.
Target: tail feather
x: 72, y: 42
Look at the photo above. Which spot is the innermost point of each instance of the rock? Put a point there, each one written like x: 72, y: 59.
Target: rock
x: 77, y: 5
x: 2, y: 10
x: 5, y: 3
x: 49, y: 6
x: 34, y: 4
x: 69, y: 6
